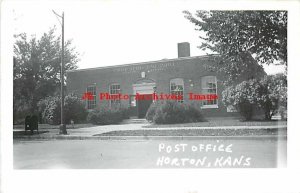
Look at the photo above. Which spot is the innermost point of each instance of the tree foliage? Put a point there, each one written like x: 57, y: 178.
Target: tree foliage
x: 268, y: 94
x: 273, y: 94
x: 243, y: 97
x: 234, y: 34
x: 107, y: 116
x: 49, y: 109
x: 36, y: 65
x: 170, y: 112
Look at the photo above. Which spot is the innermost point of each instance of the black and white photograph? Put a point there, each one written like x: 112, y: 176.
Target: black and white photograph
x: 226, y: 107
x: 148, y: 85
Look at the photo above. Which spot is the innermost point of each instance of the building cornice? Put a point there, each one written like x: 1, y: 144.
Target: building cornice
x: 144, y: 63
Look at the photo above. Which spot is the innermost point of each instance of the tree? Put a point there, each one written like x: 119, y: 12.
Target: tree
x: 236, y: 34
x: 37, y: 68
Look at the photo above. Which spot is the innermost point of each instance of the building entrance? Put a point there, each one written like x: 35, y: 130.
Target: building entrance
x: 144, y: 88
x: 143, y: 104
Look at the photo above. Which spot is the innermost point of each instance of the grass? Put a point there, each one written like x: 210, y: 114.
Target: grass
x: 198, y: 132
x: 47, y: 126
x: 219, y: 122
x: 45, y: 130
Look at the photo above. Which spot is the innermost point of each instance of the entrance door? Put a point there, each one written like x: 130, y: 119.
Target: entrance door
x: 143, y: 104
x: 144, y: 88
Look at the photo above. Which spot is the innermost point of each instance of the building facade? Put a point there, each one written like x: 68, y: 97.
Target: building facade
x: 184, y: 76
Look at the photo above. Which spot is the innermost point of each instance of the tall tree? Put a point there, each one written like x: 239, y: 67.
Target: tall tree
x: 37, y: 68
x: 236, y: 34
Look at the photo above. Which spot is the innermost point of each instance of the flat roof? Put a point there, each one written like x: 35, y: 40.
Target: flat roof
x: 143, y: 63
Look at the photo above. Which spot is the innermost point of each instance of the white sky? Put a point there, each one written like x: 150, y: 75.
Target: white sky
x: 111, y: 32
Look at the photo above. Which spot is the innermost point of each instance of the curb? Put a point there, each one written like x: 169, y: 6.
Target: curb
x: 125, y: 138
x: 222, y: 127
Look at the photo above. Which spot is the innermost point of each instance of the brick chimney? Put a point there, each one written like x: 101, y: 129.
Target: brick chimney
x: 183, y: 49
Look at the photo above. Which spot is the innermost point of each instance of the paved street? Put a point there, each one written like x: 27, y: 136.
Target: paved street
x: 114, y: 154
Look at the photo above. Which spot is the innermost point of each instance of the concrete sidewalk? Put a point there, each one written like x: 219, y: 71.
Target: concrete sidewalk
x: 90, y: 132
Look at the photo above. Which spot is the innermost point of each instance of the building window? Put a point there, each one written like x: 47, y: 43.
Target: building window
x: 115, y: 90
x: 209, y: 86
x: 176, y: 88
x: 91, y: 103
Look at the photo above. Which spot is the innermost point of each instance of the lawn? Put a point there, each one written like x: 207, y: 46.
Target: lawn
x: 47, y: 126
x: 199, y: 132
x: 45, y: 129
x: 219, y: 122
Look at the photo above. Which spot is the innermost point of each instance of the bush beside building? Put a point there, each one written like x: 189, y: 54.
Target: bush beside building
x: 268, y: 94
x: 107, y: 116
x: 74, y: 109
x: 171, y: 112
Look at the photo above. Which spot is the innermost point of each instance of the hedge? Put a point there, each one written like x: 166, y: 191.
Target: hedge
x: 74, y: 109
x: 171, y: 112
x: 268, y: 94
x: 107, y: 116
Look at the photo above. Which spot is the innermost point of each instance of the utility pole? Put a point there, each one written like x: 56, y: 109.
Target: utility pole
x: 62, y: 127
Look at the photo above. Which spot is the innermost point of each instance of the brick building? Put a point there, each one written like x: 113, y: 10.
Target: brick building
x: 179, y: 76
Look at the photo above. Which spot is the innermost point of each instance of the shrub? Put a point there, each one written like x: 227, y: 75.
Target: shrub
x: 193, y: 113
x: 107, y: 116
x: 268, y: 94
x: 168, y: 112
x: 74, y: 109
x: 273, y: 95
x: 243, y: 97
x: 125, y: 112
x: 20, y: 111
x: 49, y: 109
x: 151, y: 111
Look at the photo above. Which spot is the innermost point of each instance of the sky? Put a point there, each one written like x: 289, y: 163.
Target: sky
x: 107, y: 33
